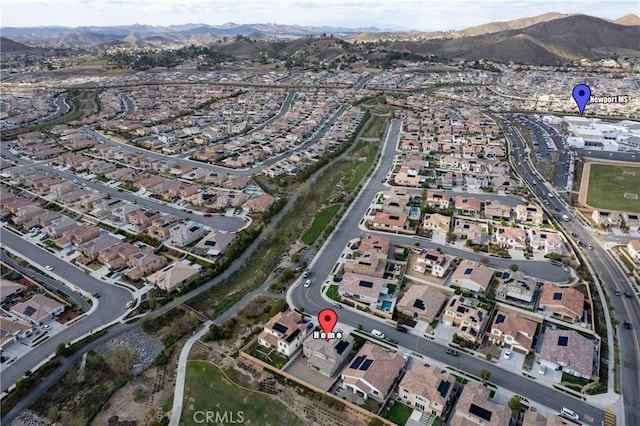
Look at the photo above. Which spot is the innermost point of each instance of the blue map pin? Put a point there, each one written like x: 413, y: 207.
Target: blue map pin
x: 581, y: 94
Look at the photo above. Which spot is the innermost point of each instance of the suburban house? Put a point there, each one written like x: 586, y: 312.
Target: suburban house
x: 436, y: 222
x: 143, y: 263
x: 576, y: 354
x: 116, y: 256
x: 184, y: 234
x: 633, y: 248
x: 11, y: 331
x: 373, y: 372
x: 514, y: 331
x: 437, y: 199
x: 497, y: 211
x: 510, y: 237
x: 515, y: 286
x: 475, y: 408
x: 38, y: 308
x: 327, y: 356
x: 566, y: 303
x: 374, y: 243
x: 368, y: 263
x: 472, y: 276
x: 141, y: 219
x: 10, y: 289
x: 421, y: 301
x: 550, y: 242
x: 427, y: 388
x: 433, y: 262
x: 284, y: 333
x: 362, y: 288
x: 469, y: 206
x: 472, y: 230
x: 606, y: 219
x: 530, y: 213
x: 390, y: 221
x: 259, y: 204
x: 174, y: 276
x: 632, y: 221
x: 467, y: 316
x: 214, y: 243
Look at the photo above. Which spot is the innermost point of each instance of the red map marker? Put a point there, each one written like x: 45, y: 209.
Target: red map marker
x: 327, y: 319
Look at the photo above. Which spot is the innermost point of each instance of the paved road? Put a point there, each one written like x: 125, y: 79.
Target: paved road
x: 611, y: 279
x: 111, y: 305
x: 311, y: 300
x: 53, y: 284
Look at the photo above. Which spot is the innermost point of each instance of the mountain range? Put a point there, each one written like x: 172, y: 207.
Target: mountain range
x: 542, y: 39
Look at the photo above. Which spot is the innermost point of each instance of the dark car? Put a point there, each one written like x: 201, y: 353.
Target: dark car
x: 627, y: 295
x: 452, y: 352
x: 402, y: 329
x: 627, y: 325
x: 96, y: 295
x: 391, y: 339
x: 337, y: 278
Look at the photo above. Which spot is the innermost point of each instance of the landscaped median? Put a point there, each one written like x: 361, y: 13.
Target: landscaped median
x: 319, y: 223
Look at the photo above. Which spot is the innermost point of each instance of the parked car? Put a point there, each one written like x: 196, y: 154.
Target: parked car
x: 307, y: 283
x: 542, y: 369
x: 617, y: 292
x: 337, y: 278
x: 569, y: 413
x: 452, y: 352
x: 46, y: 326
x: 96, y: 295
x: 207, y: 215
x: 377, y: 333
x: 627, y: 325
x: 627, y: 295
x: 507, y: 354
x: 129, y: 304
x: 337, y: 305
x: 48, y: 268
x: 402, y: 329
x: 306, y: 273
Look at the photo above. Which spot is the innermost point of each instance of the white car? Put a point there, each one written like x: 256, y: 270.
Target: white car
x: 129, y: 304
x: 307, y: 283
x: 507, y: 354
x: 48, y: 268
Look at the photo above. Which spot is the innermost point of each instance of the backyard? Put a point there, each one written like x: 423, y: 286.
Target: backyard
x: 208, y: 389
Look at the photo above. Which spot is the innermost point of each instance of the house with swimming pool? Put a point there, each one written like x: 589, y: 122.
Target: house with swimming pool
x: 370, y: 292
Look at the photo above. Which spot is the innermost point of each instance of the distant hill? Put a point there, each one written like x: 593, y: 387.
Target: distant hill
x: 629, y: 19
x: 572, y: 37
x: 515, y: 24
x: 9, y: 46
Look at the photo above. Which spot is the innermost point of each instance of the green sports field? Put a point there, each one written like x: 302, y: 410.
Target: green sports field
x: 608, y: 185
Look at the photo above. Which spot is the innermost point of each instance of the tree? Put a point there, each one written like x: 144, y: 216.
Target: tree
x: 485, y: 375
x: 515, y: 403
x: 489, y: 356
x: 375, y: 422
x: 513, y: 267
x: 61, y: 349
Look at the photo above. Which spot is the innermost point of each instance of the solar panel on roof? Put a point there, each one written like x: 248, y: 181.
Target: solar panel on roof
x: 499, y: 319
x: 366, y: 364
x: 279, y: 328
x: 483, y: 413
x: 341, y: 346
x: 468, y: 271
x: 443, y: 388
x: 292, y: 336
x: 418, y: 304
x: 356, y: 363
x: 29, y: 310
x: 209, y: 243
x: 563, y: 340
x: 367, y: 284
x: 557, y: 296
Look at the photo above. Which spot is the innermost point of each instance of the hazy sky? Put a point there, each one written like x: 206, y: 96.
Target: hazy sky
x: 426, y: 15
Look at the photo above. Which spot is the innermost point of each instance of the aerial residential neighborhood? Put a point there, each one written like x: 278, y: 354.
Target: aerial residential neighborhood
x: 355, y: 214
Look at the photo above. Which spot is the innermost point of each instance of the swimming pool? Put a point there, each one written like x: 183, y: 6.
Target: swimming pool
x: 386, y: 305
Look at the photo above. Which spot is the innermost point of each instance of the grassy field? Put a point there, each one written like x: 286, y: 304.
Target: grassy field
x: 609, y: 183
x: 376, y: 128
x: 363, y: 168
x: 320, y: 222
x: 207, y: 389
